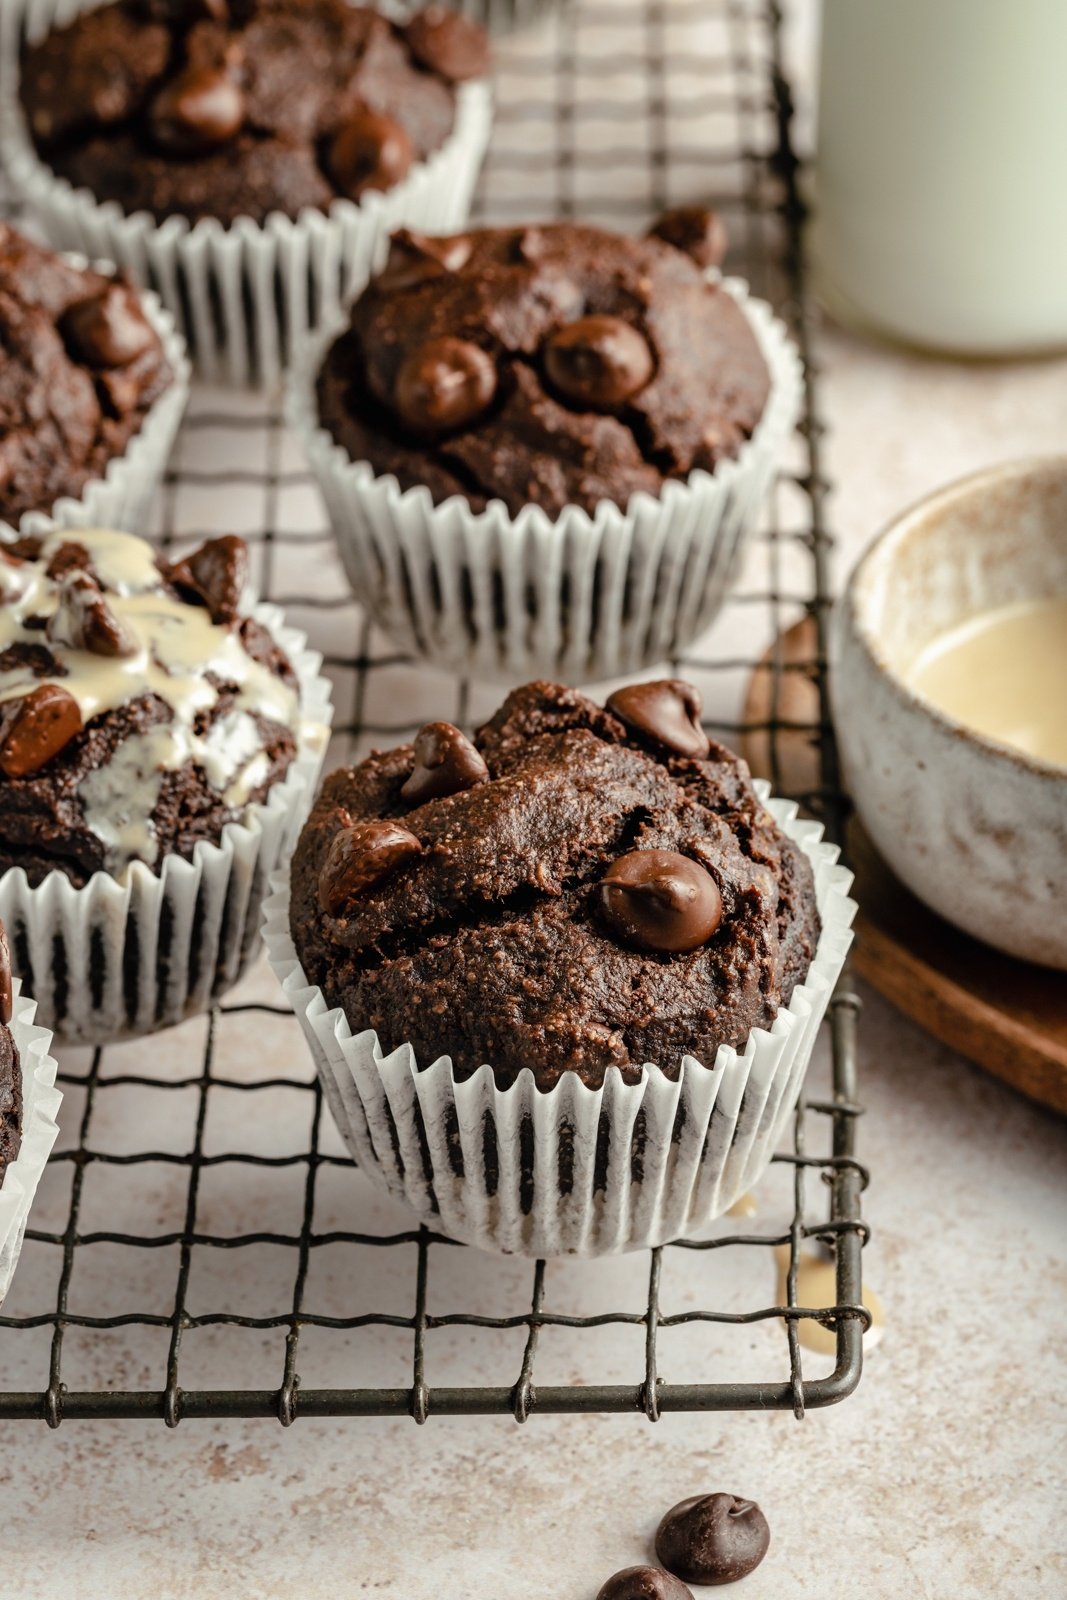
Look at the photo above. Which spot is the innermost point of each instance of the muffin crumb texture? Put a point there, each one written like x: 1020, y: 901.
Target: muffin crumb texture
x: 239, y: 108
x: 555, y: 365
x: 80, y: 368
x: 577, y: 888
x: 141, y: 708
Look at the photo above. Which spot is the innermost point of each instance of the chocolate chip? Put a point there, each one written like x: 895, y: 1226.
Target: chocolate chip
x: 415, y: 258
x: 644, y: 1583
x: 445, y: 763
x: 361, y: 855
x: 6, y: 992
x: 370, y: 151
x: 203, y: 109
x: 444, y: 383
x: 598, y: 361
x: 696, y: 231
x: 70, y: 556
x: 186, y: 11
x: 448, y: 43
x: 109, y: 330
x: 661, y: 901
x: 216, y: 574
x: 713, y: 1538
x: 35, y: 728
x: 83, y: 620
x: 666, y: 710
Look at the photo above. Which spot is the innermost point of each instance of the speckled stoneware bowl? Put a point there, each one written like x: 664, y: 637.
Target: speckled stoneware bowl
x: 976, y: 829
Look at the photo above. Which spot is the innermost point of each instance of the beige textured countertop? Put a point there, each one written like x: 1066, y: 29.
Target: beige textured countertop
x: 942, y: 1477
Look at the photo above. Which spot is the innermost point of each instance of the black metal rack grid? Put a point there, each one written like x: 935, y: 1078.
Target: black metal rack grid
x: 612, y: 111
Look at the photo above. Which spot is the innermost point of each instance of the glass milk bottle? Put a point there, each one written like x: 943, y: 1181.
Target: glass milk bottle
x: 941, y: 171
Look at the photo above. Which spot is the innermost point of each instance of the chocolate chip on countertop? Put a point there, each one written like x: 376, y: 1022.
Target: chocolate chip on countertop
x: 444, y: 383
x: 661, y: 901
x: 6, y: 992
x: 83, y: 620
x: 598, y: 361
x: 414, y: 258
x: 644, y: 1583
x: 695, y: 230
x: 369, y: 151
x: 203, y: 109
x: 666, y: 710
x: 448, y: 43
x: 713, y: 1538
x: 361, y: 855
x: 35, y: 728
x: 445, y: 763
x: 216, y: 574
x: 108, y: 330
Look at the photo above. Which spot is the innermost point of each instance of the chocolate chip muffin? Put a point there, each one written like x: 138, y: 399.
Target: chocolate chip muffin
x: 241, y: 108
x: 81, y: 367
x: 580, y: 887
x: 10, y: 1069
x: 141, y: 708
x: 559, y: 365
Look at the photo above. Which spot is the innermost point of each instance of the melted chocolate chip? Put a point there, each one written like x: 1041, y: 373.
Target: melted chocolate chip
x: 713, y: 1538
x: 666, y: 710
x: 414, y: 258
x: 35, y: 728
x: 644, y: 1583
x: 448, y: 43
x: 696, y: 231
x: 203, y: 109
x: 598, y: 361
x: 361, y: 855
x: 371, y: 151
x: 661, y: 901
x: 83, y: 620
x: 109, y: 330
x: 6, y: 991
x: 445, y: 763
x: 68, y: 557
x: 216, y: 574
x: 444, y: 383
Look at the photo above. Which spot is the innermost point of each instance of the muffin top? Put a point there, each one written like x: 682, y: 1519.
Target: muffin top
x: 10, y: 1069
x: 81, y: 366
x: 559, y: 365
x: 581, y: 887
x: 141, y: 708
x: 237, y: 108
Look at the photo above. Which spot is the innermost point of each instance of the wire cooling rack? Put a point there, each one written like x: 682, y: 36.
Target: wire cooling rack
x: 201, y: 1245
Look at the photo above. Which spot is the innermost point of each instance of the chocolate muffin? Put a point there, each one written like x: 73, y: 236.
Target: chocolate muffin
x: 554, y: 365
x: 141, y: 709
x: 81, y: 367
x: 580, y: 887
x: 10, y: 1069
x: 241, y: 108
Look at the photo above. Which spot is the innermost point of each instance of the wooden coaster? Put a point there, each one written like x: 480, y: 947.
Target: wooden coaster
x: 1008, y: 1016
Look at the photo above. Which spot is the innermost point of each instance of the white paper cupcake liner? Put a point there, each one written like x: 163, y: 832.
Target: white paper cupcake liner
x: 120, y: 958
x: 40, y: 1107
x: 577, y: 598
x: 123, y: 497
x: 245, y: 296
x: 576, y: 1171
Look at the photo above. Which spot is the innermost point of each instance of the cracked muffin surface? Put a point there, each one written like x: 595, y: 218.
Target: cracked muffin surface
x: 240, y: 108
x: 556, y: 365
x: 578, y: 888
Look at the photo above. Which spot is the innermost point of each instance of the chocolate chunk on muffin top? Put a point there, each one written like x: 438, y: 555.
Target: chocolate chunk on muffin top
x: 579, y: 887
x: 238, y: 108
x: 141, y: 708
x: 559, y: 365
x: 80, y: 367
x: 10, y: 1068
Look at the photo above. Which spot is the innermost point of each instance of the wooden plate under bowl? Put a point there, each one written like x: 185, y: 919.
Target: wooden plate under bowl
x: 1006, y: 1015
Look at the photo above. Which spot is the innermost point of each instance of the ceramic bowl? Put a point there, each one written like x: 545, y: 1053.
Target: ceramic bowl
x: 977, y: 830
